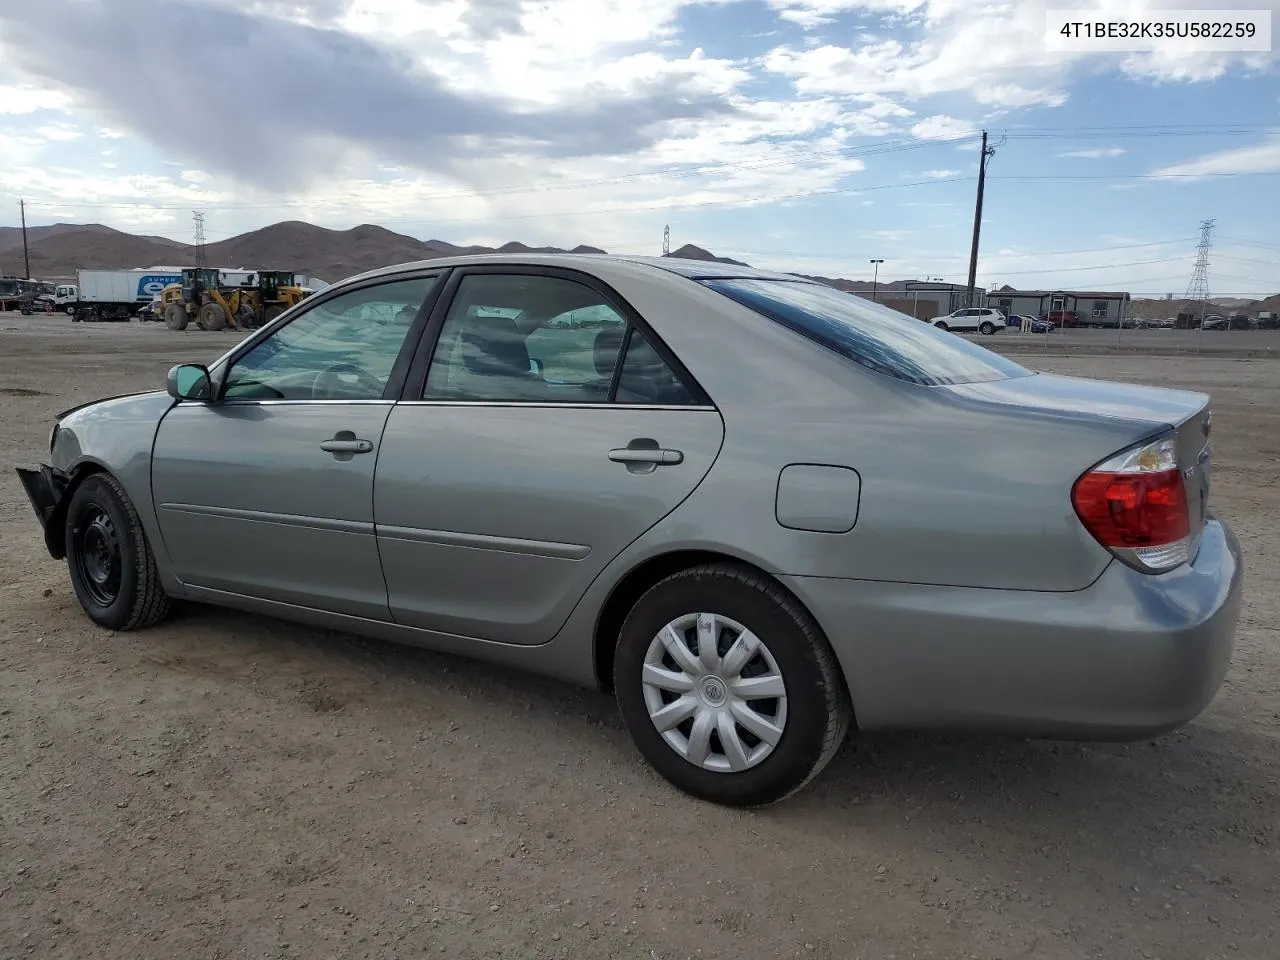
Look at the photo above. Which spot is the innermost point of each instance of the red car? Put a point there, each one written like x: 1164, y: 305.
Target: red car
x: 1062, y: 318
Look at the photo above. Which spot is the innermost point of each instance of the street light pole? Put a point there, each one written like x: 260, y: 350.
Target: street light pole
x: 875, y: 281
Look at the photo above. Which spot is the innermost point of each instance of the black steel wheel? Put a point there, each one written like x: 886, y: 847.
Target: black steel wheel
x: 96, y: 554
x: 113, y: 570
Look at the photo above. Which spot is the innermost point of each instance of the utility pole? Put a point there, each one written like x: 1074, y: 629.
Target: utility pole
x: 875, y: 279
x: 987, y: 153
x: 26, y: 256
x: 666, y: 240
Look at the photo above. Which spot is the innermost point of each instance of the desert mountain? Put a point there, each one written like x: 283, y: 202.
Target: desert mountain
x: 690, y: 252
x: 56, y: 251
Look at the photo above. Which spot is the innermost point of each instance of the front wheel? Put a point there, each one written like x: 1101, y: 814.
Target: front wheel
x: 113, y: 571
x: 728, y: 687
x: 942, y: 325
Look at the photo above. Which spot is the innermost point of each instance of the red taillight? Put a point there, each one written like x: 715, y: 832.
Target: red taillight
x: 1136, y: 503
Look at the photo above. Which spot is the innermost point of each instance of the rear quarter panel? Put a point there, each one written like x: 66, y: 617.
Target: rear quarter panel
x: 955, y: 490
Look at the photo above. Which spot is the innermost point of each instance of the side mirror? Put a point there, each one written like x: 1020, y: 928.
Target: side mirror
x: 535, y: 366
x: 189, y: 381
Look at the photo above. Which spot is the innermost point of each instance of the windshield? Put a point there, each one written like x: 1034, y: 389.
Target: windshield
x: 870, y: 334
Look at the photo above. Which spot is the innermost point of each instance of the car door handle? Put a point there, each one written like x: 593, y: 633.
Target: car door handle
x: 337, y: 445
x: 646, y: 455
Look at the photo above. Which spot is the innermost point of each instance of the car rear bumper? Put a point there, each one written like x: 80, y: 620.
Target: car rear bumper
x: 1131, y: 656
x: 46, y: 488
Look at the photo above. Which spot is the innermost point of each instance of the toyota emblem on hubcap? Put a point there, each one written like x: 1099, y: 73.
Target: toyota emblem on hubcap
x: 713, y: 690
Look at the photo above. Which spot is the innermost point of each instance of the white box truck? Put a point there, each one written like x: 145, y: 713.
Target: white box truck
x: 117, y: 294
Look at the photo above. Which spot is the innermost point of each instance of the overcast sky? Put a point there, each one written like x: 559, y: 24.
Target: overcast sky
x: 809, y: 135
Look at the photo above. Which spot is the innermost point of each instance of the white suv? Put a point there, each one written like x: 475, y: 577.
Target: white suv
x: 983, y: 319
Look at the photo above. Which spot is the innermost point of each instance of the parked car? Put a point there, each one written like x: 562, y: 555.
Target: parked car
x: 37, y: 304
x: 757, y: 509
x: 1030, y: 324
x: 982, y: 319
x: 1062, y: 318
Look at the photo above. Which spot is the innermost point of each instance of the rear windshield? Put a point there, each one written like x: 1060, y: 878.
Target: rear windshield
x: 868, y: 333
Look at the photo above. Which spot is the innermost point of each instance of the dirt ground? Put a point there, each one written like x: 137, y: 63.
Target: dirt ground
x: 230, y: 786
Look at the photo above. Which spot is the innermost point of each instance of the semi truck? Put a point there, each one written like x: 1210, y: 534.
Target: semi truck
x: 117, y: 294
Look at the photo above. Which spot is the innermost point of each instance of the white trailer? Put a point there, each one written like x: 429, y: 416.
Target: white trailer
x: 117, y: 294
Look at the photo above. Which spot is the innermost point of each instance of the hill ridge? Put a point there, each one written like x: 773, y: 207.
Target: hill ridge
x: 57, y: 250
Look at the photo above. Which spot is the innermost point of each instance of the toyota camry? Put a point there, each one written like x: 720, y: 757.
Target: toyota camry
x: 759, y: 510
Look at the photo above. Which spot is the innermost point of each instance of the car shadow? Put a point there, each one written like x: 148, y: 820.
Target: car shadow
x: 1197, y: 803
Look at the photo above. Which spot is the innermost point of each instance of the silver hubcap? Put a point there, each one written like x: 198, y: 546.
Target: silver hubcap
x: 714, y: 692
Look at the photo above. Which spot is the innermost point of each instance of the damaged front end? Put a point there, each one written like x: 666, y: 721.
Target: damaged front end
x: 46, y: 488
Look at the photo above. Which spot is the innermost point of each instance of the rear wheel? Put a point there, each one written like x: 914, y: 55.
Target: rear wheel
x: 213, y: 317
x: 728, y: 687
x: 987, y: 328
x: 271, y: 313
x: 113, y: 570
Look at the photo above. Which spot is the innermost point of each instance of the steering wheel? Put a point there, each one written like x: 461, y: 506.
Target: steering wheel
x: 320, y: 386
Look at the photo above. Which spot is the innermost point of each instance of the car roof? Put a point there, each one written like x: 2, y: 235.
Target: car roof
x: 692, y: 269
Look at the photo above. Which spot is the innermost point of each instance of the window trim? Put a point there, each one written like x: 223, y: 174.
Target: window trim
x: 415, y: 382
x: 399, y: 368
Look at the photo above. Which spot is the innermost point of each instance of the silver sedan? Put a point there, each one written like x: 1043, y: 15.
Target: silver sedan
x: 757, y: 509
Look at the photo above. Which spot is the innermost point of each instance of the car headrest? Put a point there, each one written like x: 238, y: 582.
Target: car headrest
x: 495, y: 345
x: 605, y: 350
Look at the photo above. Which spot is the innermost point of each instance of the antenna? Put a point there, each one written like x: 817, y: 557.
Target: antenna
x: 666, y: 241
x: 1198, y: 288
x: 198, y: 217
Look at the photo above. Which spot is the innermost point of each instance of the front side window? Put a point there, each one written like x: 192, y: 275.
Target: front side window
x: 340, y: 349
x: 870, y: 334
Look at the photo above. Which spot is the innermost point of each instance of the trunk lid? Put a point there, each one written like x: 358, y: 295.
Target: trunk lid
x: 1147, y: 409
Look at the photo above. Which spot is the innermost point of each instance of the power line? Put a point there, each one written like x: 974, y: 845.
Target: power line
x: 1096, y: 266
x: 749, y: 200
x: 749, y: 251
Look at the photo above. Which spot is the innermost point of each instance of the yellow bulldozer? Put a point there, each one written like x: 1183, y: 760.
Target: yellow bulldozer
x: 214, y: 304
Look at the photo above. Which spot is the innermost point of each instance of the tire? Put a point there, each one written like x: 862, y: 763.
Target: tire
x: 814, y: 716
x: 213, y: 317
x: 124, y: 592
x: 987, y: 328
x: 175, y: 316
x: 942, y: 325
x: 71, y: 311
x: 271, y: 313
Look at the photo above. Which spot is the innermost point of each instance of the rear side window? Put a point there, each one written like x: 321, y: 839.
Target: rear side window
x: 870, y: 334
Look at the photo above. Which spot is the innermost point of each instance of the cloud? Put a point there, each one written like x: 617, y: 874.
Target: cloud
x: 941, y: 127
x: 1260, y: 158
x: 17, y: 100
x: 993, y: 52
x: 59, y: 132
x: 817, y: 13
x: 311, y: 101
x: 1100, y: 153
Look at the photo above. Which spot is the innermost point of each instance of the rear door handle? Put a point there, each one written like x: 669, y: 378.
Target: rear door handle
x: 347, y: 446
